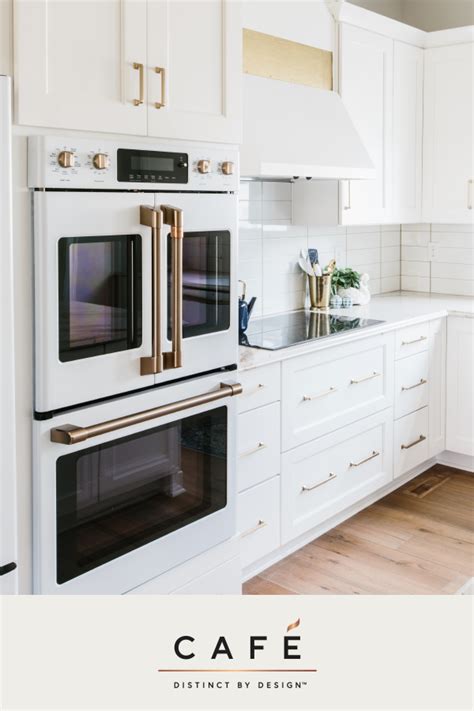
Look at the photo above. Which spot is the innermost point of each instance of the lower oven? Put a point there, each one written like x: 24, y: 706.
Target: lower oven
x: 134, y: 487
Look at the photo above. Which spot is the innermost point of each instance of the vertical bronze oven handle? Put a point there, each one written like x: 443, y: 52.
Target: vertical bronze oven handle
x: 173, y: 216
x: 154, y: 219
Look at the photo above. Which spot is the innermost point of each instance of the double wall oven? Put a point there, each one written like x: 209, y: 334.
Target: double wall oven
x: 135, y: 341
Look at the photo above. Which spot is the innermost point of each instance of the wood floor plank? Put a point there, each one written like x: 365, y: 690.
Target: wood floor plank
x: 400, y: 545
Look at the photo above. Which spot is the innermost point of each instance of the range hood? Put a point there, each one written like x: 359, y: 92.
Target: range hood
x: 294, y: 130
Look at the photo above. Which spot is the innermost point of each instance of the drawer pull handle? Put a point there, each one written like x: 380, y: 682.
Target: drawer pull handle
x: 367, y: 459
x: 416, y: 385
x: 260, y: 445
x: 421, y: 438
x: 315, y: 486
x: 355, y: 381
x: 254, y: 390
x: 307, y: 398
x: 260, y: 524
x: 415, y: 340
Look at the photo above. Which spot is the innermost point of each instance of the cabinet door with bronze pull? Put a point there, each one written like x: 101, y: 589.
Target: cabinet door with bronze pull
x: 81, y: 65
x: 194, y: 69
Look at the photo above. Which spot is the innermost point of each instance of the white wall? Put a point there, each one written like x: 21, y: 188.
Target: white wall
x: 428, y: 15
x: 389, y: 8
x: 6, y: 40
x: 432, y: 15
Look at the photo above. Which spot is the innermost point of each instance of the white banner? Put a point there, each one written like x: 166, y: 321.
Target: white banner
x: 295, y: 652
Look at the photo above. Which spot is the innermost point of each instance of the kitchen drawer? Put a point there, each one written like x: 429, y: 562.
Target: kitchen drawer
x: 328, y: 389
x: 258, y: 448
x: 324, y: 477
x: 410, y: 441
x: 258, y: 520
x: 412, y: 339
x: 411, y: 383
x: 260, y: 387
x: 226, y: 579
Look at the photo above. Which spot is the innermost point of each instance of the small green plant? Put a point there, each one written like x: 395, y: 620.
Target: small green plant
x: 344, y: 279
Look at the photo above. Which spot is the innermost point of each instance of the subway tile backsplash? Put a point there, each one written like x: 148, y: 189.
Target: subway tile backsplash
x: 437, y: 258
x: 270, y: 244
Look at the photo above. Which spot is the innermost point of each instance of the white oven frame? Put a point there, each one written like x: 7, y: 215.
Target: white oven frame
x: 60, y: 214
x: 154, y: 558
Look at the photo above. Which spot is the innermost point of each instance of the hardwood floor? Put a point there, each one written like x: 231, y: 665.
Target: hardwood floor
x: 417, y: 540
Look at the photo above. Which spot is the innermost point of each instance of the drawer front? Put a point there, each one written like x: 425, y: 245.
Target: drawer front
x: 323, y: 478
x: 412, y: 339
x: 258, y: 449
x: 258, y: 520
x: 260, y: 387
x: 223, y: 580
x: 330, y: 389
x: 412, y: 383
x: 410, y: 441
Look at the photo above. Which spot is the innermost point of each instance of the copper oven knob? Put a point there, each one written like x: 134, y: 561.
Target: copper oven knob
x: 100, y: 161
x: 204, y: 166
x: 66, y: 159
x: 227, y: 167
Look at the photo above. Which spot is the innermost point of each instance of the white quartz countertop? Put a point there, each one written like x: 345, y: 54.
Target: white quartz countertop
x: 396, y: 309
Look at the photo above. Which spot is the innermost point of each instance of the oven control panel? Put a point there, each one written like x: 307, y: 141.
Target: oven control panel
x: 92, y: 164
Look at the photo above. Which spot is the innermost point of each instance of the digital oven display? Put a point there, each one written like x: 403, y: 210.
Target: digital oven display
x: 135, y: 166
x: 151, y: 164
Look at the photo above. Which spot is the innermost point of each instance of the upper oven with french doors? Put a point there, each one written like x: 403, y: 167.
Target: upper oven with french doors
x: 135, y: 266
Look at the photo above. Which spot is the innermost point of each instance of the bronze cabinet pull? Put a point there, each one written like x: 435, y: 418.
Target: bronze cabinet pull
x: 260, y: 524
x: 315, y: 486
x: 71, y: 434
x: 415, y: 340
x: 416, y: 385
x: 141, y: 79
x: 420, y: 439
x: 470, y: 183
x: 367, y: 459
x: 308, y: 398
x: 173, y: 216
x: 356, y: 381
x: 154, y: 219
x: 162, y: 103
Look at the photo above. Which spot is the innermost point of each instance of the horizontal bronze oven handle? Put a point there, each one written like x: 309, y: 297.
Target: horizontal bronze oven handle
x: 420, y: 439
x: 71, y: 434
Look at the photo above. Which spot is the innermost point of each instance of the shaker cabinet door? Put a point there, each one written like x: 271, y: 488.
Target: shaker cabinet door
x: 460, y: 386
x: 366, y: 88
x: 81, y: 65
x: 194, y: 69
x: 448, y: 172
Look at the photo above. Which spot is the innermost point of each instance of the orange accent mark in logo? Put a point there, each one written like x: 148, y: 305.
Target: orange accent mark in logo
x: 293, y: 625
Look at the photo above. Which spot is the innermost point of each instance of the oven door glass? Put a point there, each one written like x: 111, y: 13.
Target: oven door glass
x: 206, y: 283
x: 99, y: 295
x: 118, y: 496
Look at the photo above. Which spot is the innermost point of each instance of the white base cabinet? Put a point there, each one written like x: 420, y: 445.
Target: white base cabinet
x: 460, y: 386
x: 322, y: 478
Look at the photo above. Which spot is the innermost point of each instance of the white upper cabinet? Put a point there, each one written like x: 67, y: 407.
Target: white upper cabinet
x: 366, y: 88
x: 81, y: 64
x: 146, y: 67
x: 407, y: 132
x: 448, y: 189
x: 194, y: 69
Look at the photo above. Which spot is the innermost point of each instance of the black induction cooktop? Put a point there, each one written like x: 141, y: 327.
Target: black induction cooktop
x: 275, y: 332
